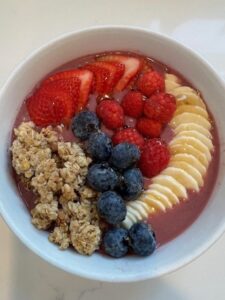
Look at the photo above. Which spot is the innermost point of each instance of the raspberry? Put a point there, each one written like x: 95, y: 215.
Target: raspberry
x: 150, y: 83
x: 133, y: 104
x: 160, y: 107
x: 129, y: 135
x: 111, y: 114
x: 154, y: 158
x: 149, y: 128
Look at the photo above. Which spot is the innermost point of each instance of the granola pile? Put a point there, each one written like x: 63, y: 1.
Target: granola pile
x: 56, y: 171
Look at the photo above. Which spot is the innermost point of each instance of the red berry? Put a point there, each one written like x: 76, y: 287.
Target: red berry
x: 133, y: 104
x: 160, y: 107
x: 76, y: 82
x: 150, y: 83
x: 132, y: 67
x: 50, y: 107
x: 154, y: 157
x: 106, y: 75
x: 149, y: 128
x: 111, y: 114
x: 129, y: 135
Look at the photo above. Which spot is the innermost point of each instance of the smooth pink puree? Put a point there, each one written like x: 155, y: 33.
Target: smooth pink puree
x: 166, y: 225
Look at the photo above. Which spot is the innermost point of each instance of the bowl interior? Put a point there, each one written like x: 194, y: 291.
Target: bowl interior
x: 198, y: 237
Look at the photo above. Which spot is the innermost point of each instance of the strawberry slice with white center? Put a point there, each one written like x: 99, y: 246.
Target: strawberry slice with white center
x: 132, y: 67
x: 76, y: 82
x: 106, y: 75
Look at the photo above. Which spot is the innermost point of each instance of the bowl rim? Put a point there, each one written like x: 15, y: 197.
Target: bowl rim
x: 109, y: 278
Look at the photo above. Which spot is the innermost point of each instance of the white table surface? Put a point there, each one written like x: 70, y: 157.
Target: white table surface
x: 26, y: 25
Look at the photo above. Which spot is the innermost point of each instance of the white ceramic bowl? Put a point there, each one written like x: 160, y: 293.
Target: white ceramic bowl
x: 186, y: 247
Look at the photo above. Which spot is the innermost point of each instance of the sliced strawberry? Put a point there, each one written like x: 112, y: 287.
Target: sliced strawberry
x: 69, y: 85
x: 106, y: 75
x: 132, y: 67
x: 50, y: 107
x: 77, y: 82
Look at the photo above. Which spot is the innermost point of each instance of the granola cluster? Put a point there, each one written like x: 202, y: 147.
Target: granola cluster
x: 56, y: 171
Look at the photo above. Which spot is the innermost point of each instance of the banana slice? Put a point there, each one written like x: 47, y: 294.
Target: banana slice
x: 183, y: 177
x: 172, y: 77
x: 189, y: 98
x: 166, y: 191
x: 152, y: 202
x: 199, y: 136
x: 182, y: 90
x: 192, y: 109
x: 193, y: 126
x: 168, y: 181
x: 170, y: 85
x: 131, y: 218
x: 141, y: 207
x: 189, y: 169
x: 191, y: 159
x: 189, y: 140
x: 127, y: 223
x: 190, y: 118
x: 188, y: 149
x: 135, y: 213
x: 159, y: 196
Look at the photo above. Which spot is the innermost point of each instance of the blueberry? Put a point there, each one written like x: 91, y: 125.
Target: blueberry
x: 124, y: 155
x: 115, y: 242
x: 84, y: 124
x: 132, y: 184
x: 142, y: 239
x: 99, y: 146
x: 101, y: 177
x: 111, y: 207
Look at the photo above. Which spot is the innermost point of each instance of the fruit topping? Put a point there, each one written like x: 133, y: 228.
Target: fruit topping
x: 99, y: 146
x: 111, y: 114
x: 132, y: 184
x: 129, y: 135
x: 50, y: 107
x: 115, y: 242
x: 142, y: 239
x: 124, y: 156
x: 132, y: 67
x: 150, y: 83
x: 133, y: 104
x: 106, y: 75
x: 111, y: 207
x: 160, y: 107
x: 67, y: 80
x: 84, y: 124
x: 154, y: 157
x: 102, y: 178
x: 149, y: 128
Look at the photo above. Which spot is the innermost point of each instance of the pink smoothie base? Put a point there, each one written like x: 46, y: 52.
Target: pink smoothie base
x: 166, y: 225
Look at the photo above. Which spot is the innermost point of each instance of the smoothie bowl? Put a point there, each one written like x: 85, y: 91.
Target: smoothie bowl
x: 112, y: 154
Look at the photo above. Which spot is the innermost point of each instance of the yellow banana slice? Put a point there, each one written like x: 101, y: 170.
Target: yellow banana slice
x: 192, y: 109
x: 170, y: 85
x: 182, y: 90
x: 183, y: 177
x: 191, y: 159
x: 189, y: 169
x: 189, y: 140
x: 178, y: 189
x: 166, y: 191
x: 160, y: 196
x: 188, y: 149
x: 172, y: 77
x: 199, y: 136
x: 152, y: 202
x: 141, y: 207
x: 192, y: 126
x: 190, y: 118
